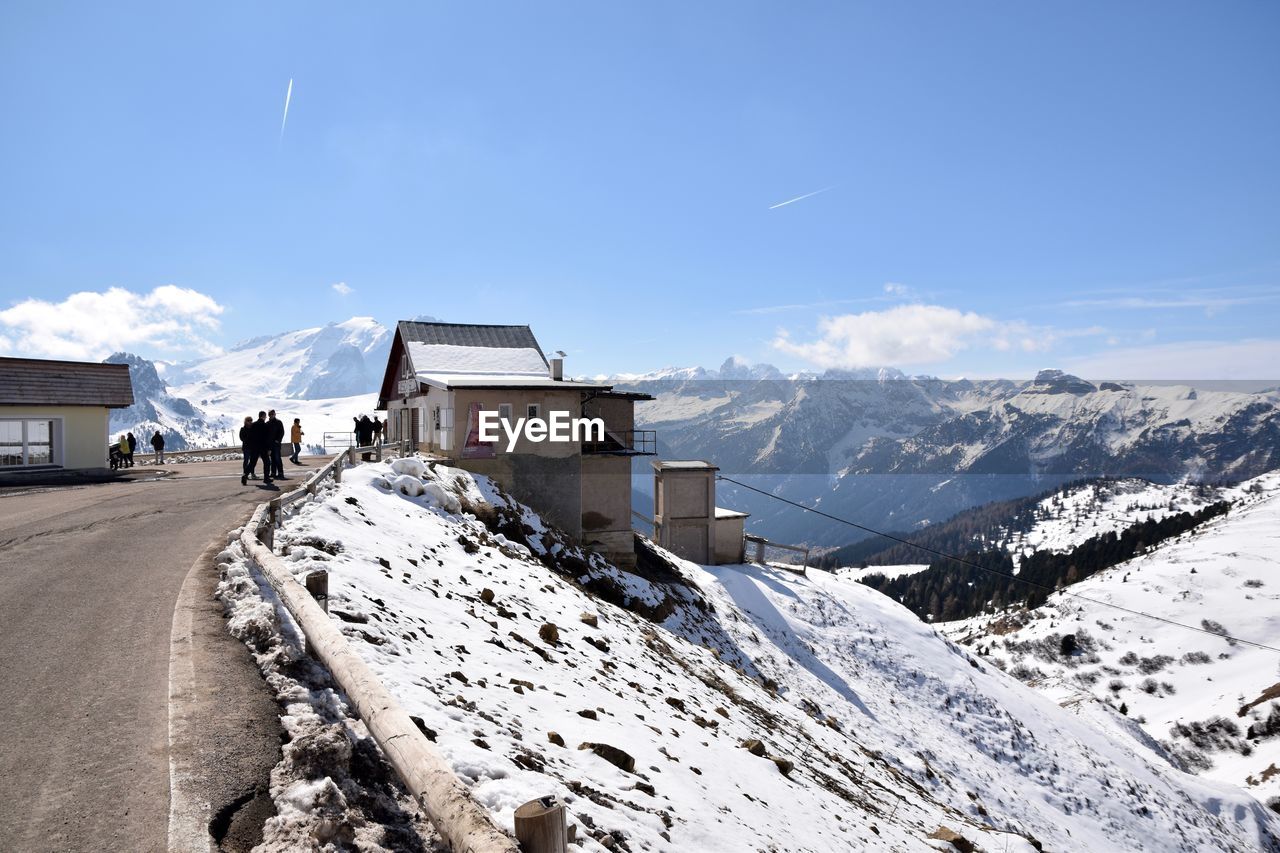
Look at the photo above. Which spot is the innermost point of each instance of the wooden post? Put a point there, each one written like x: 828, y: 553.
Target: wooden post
x: 267, y: 536
x: 337, y: 470
x: 541, y: 826
x: 760, y: 551
x: 351, y: 455
x: 317, y: 584
x: 276, y: 519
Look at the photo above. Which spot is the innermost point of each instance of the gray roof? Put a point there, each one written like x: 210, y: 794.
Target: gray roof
x: 39, y: 382
x: 469, y: 335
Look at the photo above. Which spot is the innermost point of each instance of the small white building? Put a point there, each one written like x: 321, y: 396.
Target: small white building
x: 54, y: 414
x: 686, y: 520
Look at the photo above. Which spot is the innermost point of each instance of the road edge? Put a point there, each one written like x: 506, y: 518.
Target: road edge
x: 189, y: 813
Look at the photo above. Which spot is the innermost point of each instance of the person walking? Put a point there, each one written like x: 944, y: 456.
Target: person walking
x: 123, y: 447
x: 157, y: 444
x: 276, y: 429
x: 295, y: 438
x: 259, y: 448
x: 364, y: 435
x: 244, y: 446
x: 133, y: 445
x: 377, y: 430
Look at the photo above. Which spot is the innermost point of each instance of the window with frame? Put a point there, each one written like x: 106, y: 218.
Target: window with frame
x: 533, y: 410
x: 504, y: 413
x: 26, y: 442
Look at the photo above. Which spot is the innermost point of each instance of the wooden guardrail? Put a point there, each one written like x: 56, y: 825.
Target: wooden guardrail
x: 460, y: 820
x: 761, y: 543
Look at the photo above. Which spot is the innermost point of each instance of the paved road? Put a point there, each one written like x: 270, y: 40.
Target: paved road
x: 89, y: 579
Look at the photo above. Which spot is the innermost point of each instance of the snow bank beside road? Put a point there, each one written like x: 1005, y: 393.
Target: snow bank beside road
x: 333, y: 789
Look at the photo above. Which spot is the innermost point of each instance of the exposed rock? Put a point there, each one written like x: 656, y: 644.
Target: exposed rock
x: 549, y: 633
x: 424, y: 728
x: 590, y: 619
x: 554, y: 737
x: 617, y: 757
x: 589, y: 714
x: 956, y: 840
x: 785, y: 765
x: 755, y: 747
x: 486, y: 595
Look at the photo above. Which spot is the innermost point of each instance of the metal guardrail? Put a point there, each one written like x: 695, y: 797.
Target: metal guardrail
x: 626, y: 442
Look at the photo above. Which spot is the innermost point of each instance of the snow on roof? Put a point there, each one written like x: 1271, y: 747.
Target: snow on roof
x: 504, y: 380
x: 684, y: 465
x: 454, y: 359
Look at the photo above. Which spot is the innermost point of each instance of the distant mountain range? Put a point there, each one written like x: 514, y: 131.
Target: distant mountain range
x: 895, y: 452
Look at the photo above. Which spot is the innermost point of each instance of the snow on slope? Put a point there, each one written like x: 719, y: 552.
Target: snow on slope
x: 881, y: 732
x: 1079, y: 512
x: 1225, y: 575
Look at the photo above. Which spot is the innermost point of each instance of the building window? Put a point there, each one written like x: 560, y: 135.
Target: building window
x: 533, y: 410
x: 504, y: 412
x: 26, y: 442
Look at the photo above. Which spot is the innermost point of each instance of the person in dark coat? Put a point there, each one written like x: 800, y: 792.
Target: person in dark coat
x: 364, y: 435
x: 133, y: 445
x: 259, y: 448
x: 157, y: 444
x: 277, y: 436
x: 244, y: 446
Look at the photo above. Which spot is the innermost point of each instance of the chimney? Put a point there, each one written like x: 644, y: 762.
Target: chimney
x: 557, y: 366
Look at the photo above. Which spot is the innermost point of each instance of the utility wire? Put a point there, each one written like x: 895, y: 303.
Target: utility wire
x: 971, y: 563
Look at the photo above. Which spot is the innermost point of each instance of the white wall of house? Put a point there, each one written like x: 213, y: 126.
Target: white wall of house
x: 79, y: 434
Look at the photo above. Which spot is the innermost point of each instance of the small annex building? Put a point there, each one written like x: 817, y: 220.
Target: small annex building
x: 55, y: 414
x: 440, y: 376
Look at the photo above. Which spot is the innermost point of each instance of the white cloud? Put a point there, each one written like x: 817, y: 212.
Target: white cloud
x: 91, y: 325
x: 894, y: 288
x: 1188, y: 360
x: 911, y: 335
x: 342, y: 289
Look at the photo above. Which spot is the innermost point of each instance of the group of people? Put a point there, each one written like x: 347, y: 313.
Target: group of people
x: 368, y: 432
x: 262, y: 439
x: 123, y: 450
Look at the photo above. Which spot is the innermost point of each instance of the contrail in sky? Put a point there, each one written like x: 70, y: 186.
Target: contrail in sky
x: 287, y: 95
x: 800, y: 197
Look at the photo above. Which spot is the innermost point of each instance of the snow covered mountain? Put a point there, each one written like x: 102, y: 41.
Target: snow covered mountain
x: 687, y: 707
x: 893, y: 451
x: 1210, y: 702
x: 336, y: 360
x: 323, y: 376
x: 154, y: 408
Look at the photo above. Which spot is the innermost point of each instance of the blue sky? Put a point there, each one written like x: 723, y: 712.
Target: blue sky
x: 1012, y: 185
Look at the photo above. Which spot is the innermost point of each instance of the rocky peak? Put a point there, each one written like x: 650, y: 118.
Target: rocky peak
x: 1058, y: 382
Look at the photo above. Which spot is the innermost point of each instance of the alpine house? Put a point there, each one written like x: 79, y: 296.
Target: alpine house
x: 441, y: 376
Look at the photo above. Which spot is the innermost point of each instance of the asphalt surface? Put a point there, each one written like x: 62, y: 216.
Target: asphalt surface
x: 89, y: 580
